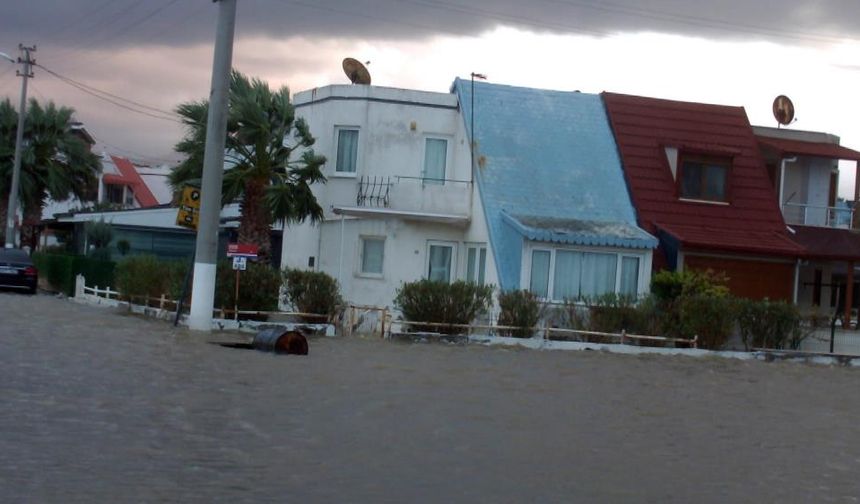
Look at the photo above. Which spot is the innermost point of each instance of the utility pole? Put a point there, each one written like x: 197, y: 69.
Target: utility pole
x: 12, y: 210
x: 206, y: 252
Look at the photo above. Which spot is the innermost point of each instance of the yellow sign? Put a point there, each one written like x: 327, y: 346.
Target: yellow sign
x: 189, y: 208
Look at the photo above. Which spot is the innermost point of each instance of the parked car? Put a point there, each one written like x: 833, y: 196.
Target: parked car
x: 17, y: 270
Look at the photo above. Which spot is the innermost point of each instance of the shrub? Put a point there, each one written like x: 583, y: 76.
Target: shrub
x: 59, y: 271
x: 769, y: 324
x: 518, y: 308
x: 613, y: 312
x: 99, y: 236
x: 710, y: 317
x: 439, y: 302
x: 311, y: 292
x: 123, y: 246
x: 146, y: 275
x: 259, y: 286
x: 670, y: 285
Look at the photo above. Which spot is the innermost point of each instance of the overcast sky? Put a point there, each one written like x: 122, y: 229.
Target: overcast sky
x: 159, y: 53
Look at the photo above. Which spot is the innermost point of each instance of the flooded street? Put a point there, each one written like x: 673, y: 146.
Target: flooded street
x: 97, y: 406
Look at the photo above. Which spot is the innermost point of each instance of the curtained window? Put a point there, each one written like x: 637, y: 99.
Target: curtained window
x: 347, y: 150
x: 435, y: 160
x: 440, y: 263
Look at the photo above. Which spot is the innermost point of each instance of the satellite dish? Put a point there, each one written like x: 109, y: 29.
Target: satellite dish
x: 356, y: 71
x: 783, y: 110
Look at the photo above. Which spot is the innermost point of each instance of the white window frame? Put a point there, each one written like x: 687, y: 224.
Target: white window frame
x: 620, y: 254
x: 477, y: 247
x: 359, y: 265
x: 452, y: 271
x: 345, y: 174
x: 445, y: 177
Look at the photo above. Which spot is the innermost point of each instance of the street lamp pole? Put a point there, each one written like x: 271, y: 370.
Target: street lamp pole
x: 473, y: 141
x: 12, y: 210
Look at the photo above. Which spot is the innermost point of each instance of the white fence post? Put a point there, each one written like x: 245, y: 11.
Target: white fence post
x: 80, y: 281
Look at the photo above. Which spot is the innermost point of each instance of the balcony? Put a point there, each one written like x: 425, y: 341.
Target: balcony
x: 819, y: 216
x: 411, y: 198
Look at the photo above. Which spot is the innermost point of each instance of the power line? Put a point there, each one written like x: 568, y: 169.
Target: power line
x: 129, y: 26
x: 129, y: 151
x: 96, y: 92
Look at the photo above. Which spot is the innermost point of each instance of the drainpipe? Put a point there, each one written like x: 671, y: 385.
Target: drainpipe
x: 782, y: 181
x: 340, y: 257
x: 796, y: 281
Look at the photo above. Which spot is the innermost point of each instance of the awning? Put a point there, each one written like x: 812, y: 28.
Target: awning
x: 828, y: 243
x: 735, y: 239
x: 788, y: 147
x: 580, y: 232
x: 388, y: 213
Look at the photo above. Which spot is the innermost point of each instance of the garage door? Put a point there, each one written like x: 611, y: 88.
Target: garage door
x: 749, y: 278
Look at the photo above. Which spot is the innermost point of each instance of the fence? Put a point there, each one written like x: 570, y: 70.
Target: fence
x: 165, y: 304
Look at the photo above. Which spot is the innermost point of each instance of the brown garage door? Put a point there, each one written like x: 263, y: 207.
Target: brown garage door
x: 749, y: 278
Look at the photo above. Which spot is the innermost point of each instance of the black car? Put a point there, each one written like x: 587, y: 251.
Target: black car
x: 17, y: 270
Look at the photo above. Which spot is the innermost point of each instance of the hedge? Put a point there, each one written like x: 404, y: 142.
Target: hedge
x: 59, y: 270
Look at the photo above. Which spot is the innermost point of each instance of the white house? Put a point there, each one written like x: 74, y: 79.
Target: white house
x: 400, y: 202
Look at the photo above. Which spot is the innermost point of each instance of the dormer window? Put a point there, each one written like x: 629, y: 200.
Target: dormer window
x: 704, y: 178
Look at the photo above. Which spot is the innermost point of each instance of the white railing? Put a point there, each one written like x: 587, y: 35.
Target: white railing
x: 819, y: 216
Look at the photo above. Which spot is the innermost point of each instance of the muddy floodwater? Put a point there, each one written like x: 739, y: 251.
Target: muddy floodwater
x: 97, y: 406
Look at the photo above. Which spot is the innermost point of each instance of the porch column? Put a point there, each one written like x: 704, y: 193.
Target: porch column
x: 849, y: 295
x: 854, y: 213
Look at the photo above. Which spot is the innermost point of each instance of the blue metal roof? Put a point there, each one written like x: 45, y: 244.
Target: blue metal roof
x: 547, y: 168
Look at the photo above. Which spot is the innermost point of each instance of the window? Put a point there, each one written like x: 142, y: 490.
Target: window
x: 705, y: 178
x: 435, y: 160
x: 129, y: 197
x: 114, y: 194
x: 562, y: 274
x: 347, y: 150
x: 539, y: 283
x: 476, y: 264
x: 372, y: 256
x: 440, y: 262
x: 629, y: 276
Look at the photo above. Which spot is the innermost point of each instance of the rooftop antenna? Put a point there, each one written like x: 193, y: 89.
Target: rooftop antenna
x: 356, y: 71
x: 783, y: 111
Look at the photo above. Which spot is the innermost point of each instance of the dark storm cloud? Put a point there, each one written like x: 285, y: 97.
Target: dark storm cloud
x: 91, y: 24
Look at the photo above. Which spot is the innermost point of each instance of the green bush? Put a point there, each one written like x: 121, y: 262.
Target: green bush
x: 613, y: 312
x: 311, y: 292
x: 670, y: 285
x: 147, y: 275
x: 693, y: 303
x: 518, y: 308
x: 59, y: 271
x: 439, y: 302
x: 769, y: 324
x: 259, y: 286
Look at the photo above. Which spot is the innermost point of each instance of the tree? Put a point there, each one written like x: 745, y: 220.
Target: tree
x: 55, y: 162
x: 263, y: 134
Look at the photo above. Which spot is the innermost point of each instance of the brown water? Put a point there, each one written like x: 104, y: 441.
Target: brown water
x: 101, y: 407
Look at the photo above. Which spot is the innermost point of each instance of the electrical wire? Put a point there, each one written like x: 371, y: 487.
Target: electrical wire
x: 87, y: 87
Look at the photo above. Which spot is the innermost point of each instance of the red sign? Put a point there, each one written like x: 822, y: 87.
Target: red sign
x: 241, y: 250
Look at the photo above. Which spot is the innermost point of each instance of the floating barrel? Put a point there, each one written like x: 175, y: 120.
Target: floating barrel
x: 279, y: 340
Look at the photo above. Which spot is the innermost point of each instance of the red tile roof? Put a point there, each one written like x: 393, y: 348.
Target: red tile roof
x: 789, y: 147
x: 130, y: 177
x: 828, y: 243
x: 751, y: 222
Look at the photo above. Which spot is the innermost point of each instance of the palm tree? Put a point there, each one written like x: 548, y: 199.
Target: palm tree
x: 263, y: 133
x: 55, y: 162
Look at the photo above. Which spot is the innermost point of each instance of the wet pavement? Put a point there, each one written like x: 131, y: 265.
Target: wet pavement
x: 100, y: 406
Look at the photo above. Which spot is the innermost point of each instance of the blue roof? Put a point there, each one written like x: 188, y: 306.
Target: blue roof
x: 547, y: 170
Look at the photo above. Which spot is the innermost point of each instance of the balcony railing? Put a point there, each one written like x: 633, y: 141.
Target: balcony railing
x: 820, y: 216
x: 415, y: 194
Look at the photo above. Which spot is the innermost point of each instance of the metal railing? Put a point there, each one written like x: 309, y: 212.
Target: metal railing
x: 817, y: 215
x: 374, y: 191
